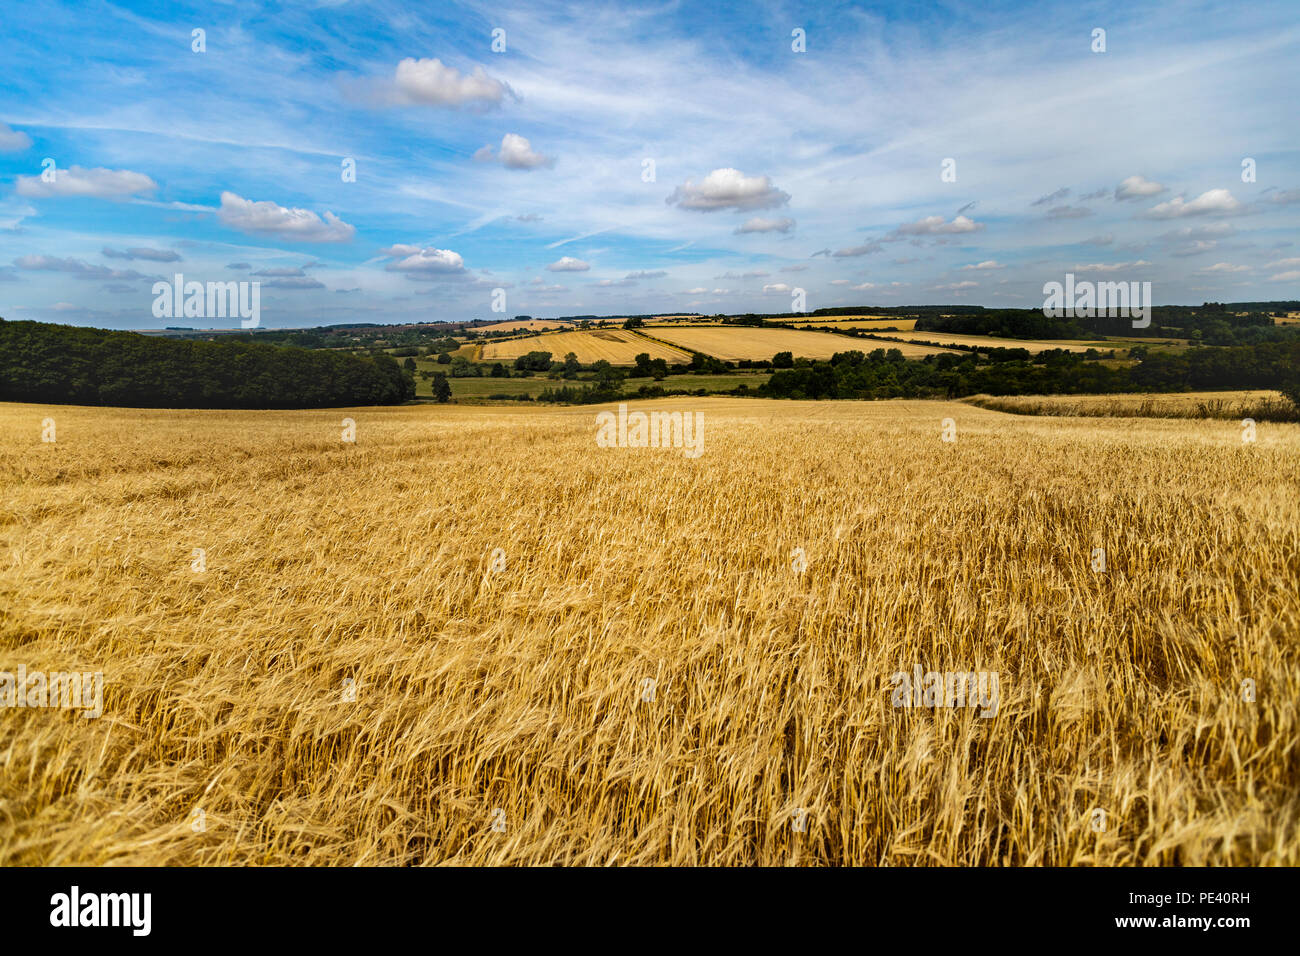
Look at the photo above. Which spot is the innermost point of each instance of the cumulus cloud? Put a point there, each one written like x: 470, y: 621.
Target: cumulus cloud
x: 955, y: 286
x: 12, y: 140
x: 727, y: 189
x: 1290, y: 276
x: 755, y: 274
x: 758, y: 224
x: 797, y: 268
x: 1213, y: 202
x: 568, y: 264
x: 841, y: 282
x: 1225, y: 267
x: 298, y: 225
x: 935, y: 226
x: 433, y: 83
x: 423, y: 264
x: 775, y: 287
x: 1284, y: 264
x: 141, y: 252
x: 516, y: 153
x: 76, y: 182
x: 984, y: 266
x: 657, y: 274
x: 1137, y: 187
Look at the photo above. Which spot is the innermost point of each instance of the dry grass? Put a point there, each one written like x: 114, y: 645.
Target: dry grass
x: 735, y: 342
x: 616, y: 346
x: 1258, y: 404
x: 522, y: 690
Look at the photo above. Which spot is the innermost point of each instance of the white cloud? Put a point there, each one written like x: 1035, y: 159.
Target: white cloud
x: 77, y: 268
x: 727, y: 188
x: 433, y: 83
x: 1111, y: 266
x: 841, y: 282
x: 1225, y: 267
x: 1137, y: 187
x: 140, y: 252
x: 568, y: 264
x: 936, y: 226
x: 12, y: 140
x: 984, y: 266
x: 758, y: 224
x: 1291, y: 276
x: 299, y: 225
x: 423, y: 264
x: 1284, y: 264
x: 1213, y: 202
x: 98, y: 183
x: 955, y: 286
x: 775, y: 287
x: 863, y: 250
x: 516, y: 153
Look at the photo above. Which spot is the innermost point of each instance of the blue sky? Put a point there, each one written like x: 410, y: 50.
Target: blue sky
x: 641, y: 158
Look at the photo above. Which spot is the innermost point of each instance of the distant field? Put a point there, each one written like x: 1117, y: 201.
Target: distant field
x: 988, y: 341
x: 528, y: 325
x: 736, y: 342
x: 859, y: 322
x: 478, y: 389
x: 615, y: 346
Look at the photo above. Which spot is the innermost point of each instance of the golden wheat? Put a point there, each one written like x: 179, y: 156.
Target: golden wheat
x: 474, y: 637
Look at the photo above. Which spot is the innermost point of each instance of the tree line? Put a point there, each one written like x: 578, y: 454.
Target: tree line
x: 63, y: 364
x: 887, y: 374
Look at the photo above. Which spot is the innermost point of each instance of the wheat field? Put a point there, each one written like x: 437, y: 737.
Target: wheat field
x: 474, y: 637
x: 616, y: 346
x: 737, y: 342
